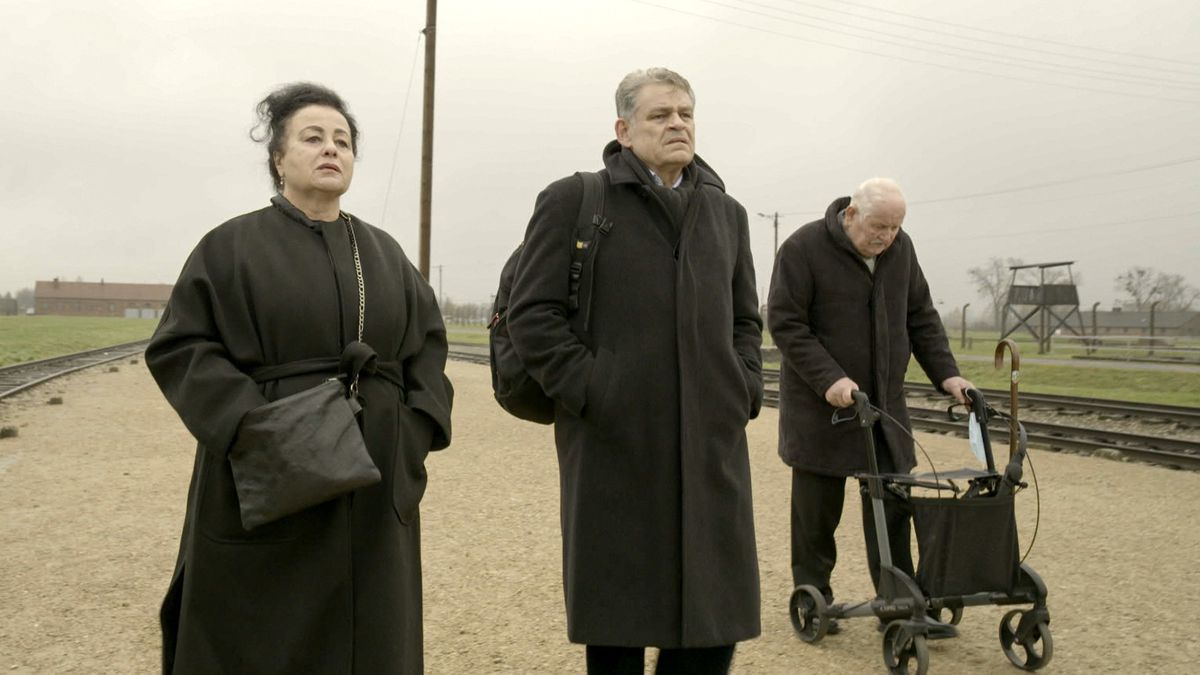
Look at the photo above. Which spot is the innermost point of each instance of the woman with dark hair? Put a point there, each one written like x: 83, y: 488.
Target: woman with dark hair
x: 270, y: 304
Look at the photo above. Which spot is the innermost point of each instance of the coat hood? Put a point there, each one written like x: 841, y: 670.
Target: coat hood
x: 834, y: 227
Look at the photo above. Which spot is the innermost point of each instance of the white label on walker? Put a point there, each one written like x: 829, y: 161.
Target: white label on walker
x: 975, y: 437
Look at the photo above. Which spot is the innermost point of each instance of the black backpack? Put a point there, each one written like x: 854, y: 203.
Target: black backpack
x: 515, y: 390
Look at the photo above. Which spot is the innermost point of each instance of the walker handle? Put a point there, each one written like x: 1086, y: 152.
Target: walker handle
x: 862, y: 409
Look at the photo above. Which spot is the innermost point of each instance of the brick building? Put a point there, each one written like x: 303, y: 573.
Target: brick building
x: 88, y: 298
x: 1130, y: 322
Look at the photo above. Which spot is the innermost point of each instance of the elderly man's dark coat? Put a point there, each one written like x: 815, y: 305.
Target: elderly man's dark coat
x: 652, y: 403
x: 335, y: 588
x: 832, y: 318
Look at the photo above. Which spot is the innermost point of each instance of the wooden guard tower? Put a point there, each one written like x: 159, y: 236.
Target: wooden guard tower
x: 1043, y: 308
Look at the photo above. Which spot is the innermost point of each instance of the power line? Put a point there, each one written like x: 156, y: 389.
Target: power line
x: 813, y: 214
x: 956, y: 36
x: 1076, y: 228
x: 939, y: 48
x: 997, y: 32
x: 387, y: 190
x: 1064, y: 181
x: 918, y: 61
x: 1087, y: 195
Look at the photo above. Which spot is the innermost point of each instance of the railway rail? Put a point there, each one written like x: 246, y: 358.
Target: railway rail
x: 1167, y: 451
x: 1176, y: 453
x: 1161, y: 450
x: 1105, y: 409
x: 22, y: 376
x: 1171, y: 452
x: 1101, y: 408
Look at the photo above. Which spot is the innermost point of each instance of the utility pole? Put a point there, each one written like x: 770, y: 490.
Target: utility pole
x: 427, y: 137
x: 775, y: 216
x: 440, y: 299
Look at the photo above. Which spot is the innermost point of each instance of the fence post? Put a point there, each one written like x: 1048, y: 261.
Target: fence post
x: 1153, y: 305
x: 963, y: 342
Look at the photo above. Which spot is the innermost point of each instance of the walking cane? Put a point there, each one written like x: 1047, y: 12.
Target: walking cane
x: 1013, y: 379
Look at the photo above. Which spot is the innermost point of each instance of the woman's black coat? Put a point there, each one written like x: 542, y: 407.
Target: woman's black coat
x: 652, y: 404
x: 335, y: 588
x: 832, y: 318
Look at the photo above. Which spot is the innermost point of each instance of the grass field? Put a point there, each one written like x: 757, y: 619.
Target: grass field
x: 29, y: 338
x: 464, y: 334
x: 1147, y: 386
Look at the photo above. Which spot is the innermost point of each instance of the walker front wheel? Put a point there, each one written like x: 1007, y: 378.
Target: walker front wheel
x: 1027, y: 646
x: 904, y: 653
x: 807, y: 609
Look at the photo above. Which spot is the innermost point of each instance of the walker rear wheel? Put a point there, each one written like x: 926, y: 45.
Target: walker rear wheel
x: 807, y: 609
x: 904, y: 653
x: 1028, y: 649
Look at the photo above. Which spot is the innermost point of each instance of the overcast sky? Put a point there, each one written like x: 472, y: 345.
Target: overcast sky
x: 1047, y: 131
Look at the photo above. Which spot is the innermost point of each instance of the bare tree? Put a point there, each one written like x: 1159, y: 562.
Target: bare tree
x: 24, y: 299
x: 466, y: 312
x: 1138, y: 284
x: 991, y: 281
x: 1146, y: 285
x: 1176, y: 293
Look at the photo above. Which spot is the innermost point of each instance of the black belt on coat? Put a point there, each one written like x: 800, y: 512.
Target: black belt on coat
x: 358, y: 360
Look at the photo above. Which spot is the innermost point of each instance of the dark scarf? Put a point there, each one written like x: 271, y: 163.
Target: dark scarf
x: 673, y: 200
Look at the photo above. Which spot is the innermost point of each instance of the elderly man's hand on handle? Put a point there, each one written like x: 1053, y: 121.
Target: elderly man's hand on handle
x: 839, y: 395
x: 957, y: 387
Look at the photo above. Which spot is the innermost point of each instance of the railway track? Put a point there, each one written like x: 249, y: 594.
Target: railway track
x: 468, y: 354
x: 22, y: 376
x: 1171, y: 452
x: 1161, y: 450
x: 1103, y: 409
x: 1157, y: 449
x: 1151, y: 413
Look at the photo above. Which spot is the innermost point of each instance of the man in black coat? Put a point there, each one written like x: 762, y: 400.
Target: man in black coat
x: 653, y: 383
x: 848, y: 306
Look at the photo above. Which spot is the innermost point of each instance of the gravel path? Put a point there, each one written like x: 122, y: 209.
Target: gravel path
x: 92, y: 495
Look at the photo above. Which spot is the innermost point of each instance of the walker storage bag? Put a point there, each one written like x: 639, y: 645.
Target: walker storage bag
x: 965, y: 545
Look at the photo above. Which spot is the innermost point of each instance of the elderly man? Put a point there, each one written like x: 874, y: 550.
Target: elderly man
x: 653, y: 383
x: 848, y: 305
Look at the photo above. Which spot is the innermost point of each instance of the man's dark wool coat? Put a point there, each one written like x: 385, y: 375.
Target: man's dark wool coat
x: 832, y: 318
x: 335, y: 588
x: 652, y: 403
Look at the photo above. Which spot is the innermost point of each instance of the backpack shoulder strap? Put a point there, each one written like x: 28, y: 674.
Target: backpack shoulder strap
x: 591, y: 209
x: 589, y: 221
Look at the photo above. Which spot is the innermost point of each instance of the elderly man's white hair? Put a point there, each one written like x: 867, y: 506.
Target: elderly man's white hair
x: 873, y: 192
x: 632, y: 83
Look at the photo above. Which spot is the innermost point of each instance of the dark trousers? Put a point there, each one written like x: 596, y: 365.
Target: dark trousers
x: 816, y: 511
x: 632, y: 660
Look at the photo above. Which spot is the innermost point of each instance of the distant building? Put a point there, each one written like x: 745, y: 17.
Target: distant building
x: 1129, y: 322
x: 88, y: 298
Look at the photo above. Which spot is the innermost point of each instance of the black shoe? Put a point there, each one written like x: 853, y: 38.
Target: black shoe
x: 941, y: 631
x: 937, y: 629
